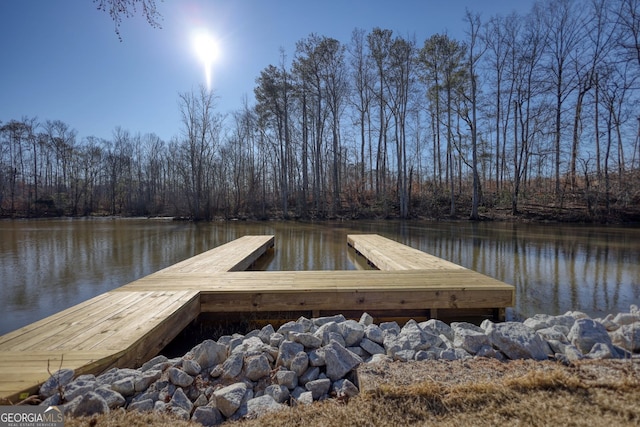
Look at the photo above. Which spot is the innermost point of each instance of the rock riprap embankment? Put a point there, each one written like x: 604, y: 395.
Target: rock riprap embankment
x: 312, y: 359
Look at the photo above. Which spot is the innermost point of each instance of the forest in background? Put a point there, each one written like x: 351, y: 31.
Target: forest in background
x: 531, y: 116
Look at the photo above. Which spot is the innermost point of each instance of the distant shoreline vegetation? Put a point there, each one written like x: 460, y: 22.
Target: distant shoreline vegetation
x: 528, y: 117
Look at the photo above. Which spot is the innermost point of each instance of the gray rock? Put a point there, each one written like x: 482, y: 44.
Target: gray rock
x: 143, y: 382
x: 305, y: 398
x: 300, y: 363
x: 287, y: 378
x: 345, y: 388
x: 585, y: 333
x: 417, y: 338
x: 404, y: 355
x: 265, y: 333
x: 555, y: 332
x: 288, y: 350
x: 57, y: 381
x: 291, y: 327
x: 207, y: 416
x: 326, y: 330
x: 539, y: 321
x: 89, y: 404
x: 318, y: 388
x: 319, y: 321
x: 518, y: 341
x: 180, y: 400
x: 339, y: 360
x: 308, y: 340
x: 627, y: 337
x: 153, y: 362
x: 437, y: 327
x: 448, y: 354
x: 145, y: 405
x: 468, y: 338
x: 352, y: 332
x: 359, y: 351
x: 209, y: 353
x: 626, y: 318
x: 276, y: 339
x: 229, y: 399
x: 179, y: 412
x: 191, y: 367
x: 79, y: 388
x: 257, y: 367
x: 390, y: 327
x: 316, y: 357
x: 366, y: 319
x: 374, y: 333
x: 601, y: 351
x: 279, y: 393
x: 179, y: 377
x: 425, y: 355
x: 232, y: 367
x: 489, y: 352
x: 308, y: 324
x: 310, y: 374
x: 371, y: 347
x: 113, y: 398
x: 201, y: 400
x: 125, y: 386
x: 262, y: 405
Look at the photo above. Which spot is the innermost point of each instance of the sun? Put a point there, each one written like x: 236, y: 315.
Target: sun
x: 207, y: 49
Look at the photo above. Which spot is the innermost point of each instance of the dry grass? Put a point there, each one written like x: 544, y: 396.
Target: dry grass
x: 477, y: 392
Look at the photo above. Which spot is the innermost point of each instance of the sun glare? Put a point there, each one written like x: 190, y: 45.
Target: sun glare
x: 207, y: 50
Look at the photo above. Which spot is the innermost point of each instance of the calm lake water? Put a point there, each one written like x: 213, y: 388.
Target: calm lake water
x: 49, y: 265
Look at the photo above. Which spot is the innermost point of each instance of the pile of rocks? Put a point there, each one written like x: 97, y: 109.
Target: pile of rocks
x: 311, y: 359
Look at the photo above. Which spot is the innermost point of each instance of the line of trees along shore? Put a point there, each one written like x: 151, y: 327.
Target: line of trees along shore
x: 535, y: 109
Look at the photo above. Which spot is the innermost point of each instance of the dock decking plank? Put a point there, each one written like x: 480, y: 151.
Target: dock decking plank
x: 387, y: 254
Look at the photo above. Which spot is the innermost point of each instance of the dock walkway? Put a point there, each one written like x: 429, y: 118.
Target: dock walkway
x: 130, y: 324
x: 120, y: 328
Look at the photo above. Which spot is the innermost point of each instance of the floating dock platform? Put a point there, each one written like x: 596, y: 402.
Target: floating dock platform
x: 131, y: 324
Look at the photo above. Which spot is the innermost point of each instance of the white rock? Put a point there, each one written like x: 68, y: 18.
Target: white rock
x: 319, y: 321
x: 299, y: 363
x: 626, y: 318
x: 469, y: 339
x: 179, y: 377
x: 57, y: 381
x: 339, y: 360
x: 345, y: 388
x: 352, y: 332
x: 209, y: 353
x: 518, y: 341
x: 287, y: 378
x: 371, y: 347
x: 627, y: 337
x: 113, y: 398
x: 437, y: 327
x: 585, y: 333
x: 307, y: 339
x: 207, y: 416
x: 232, y: 367
x: 318, y: 388
x: 180, y: 400
x: 279, y: 393
x: 366, y: 319
x: 229, y: 399
x: 257, y: 367
x: 374, y: 333
x: 286, y: 353
x: 265, y: 333
x: 259, y: 406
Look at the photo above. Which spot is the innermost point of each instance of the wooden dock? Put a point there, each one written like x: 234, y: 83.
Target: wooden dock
x: 118, y: 328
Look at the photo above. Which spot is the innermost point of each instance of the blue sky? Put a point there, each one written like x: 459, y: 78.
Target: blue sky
x: 61, y: 60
